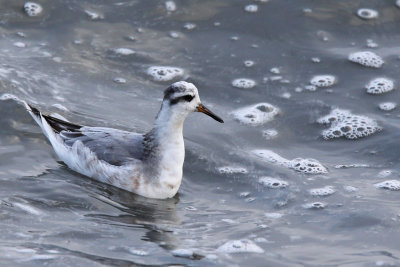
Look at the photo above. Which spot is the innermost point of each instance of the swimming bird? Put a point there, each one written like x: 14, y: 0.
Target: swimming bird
x: 150, y: 164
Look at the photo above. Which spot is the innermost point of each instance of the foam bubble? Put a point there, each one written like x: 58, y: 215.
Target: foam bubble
x: 314, y: 205
x: 323, y: 191
x: 387, y: 106
x: 163, y: 74
x: 286, y: 95
x: 231, y: 170
x: 239, y: 246
x: 316, y: 59
x: 189, y: 26
x: 270, y: 133
x: 183, y: 252
x: 119, y: 80
x: 273, y: 183
x: 19, y: 44
x: 275, y: 70
x: 257, y: 114
x: 243, y: 83
x: 248, y: 63
x: 124, y: 51
x: 385, y: 173
x: 138, y: 252
x: 174, y: 35
x: 366, y: 58
x: 323, y: 80
x: 307, y: 166
x: 379, y: 86
x: 389, y: 184
x: 93, y: 15
x: 311, y: 88
x: 251, y: 8
x: 310, y: 166
x: 345, y: 124
x: 32, y: 9
x: 170, y: 6
x: 366, y: 13
x: 371, y: 43
x: 350, y: 189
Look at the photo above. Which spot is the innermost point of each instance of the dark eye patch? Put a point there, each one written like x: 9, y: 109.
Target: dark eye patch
x: 186, y: 98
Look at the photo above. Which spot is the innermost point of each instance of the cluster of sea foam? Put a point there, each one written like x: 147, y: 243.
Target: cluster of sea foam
x: 389, y: 184
x: 366, y: 58
x: 310, y: 166
x: 366, y: 13
x: 243, y: 83
x: 345, y: 124
x: 387, y: 106
x: 323, y: 80
x: 379, y: 86
x: 314, y: 205
x: 323, y: 191
x: 231, y: 170
x: 240, y: 246
x: 33, y: 9
x: 272, y: 183
x: 164, y: 73
x: 257, y: 114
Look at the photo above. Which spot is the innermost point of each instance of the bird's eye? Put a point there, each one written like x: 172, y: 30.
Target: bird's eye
x: 188, y: 98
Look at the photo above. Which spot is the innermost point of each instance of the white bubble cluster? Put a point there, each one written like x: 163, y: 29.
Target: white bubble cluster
x: 387, y: 106
x: 345, y: 124
x: 93, y: 15
x: 270, y: 133
x: 240, y: 246
x: 231, y: 170
x: 314, y: 205
x: 257, y: 114
x: 310, y: 166
x: 33, y: 9
x: 366, y: 58
x: 119, y: 80
x: 323, y: 191
x: 272, y: 183
x: 385, y: 173
x: 248, y: 63
x: 19, y: 44
x: 164, y: 73
x: 323, y: 80
x: 366, y: 13
x: 379, y: 86
x: 251, y: 8
x: 189, y: 26
x: 124, y: 51
x: 243, y: 83
x: 389, y: 185
x: 307, y: 166
x: 170, y: 6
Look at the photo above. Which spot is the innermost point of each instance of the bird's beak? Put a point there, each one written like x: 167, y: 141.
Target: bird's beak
x: 203, y: 109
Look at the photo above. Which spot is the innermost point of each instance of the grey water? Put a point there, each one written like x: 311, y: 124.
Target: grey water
x: 88, y: 61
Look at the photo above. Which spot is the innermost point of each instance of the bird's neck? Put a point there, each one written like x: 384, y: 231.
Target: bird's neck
x: 164, y: 145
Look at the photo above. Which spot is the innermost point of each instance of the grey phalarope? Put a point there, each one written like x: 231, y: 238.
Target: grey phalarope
x: 149, y: 165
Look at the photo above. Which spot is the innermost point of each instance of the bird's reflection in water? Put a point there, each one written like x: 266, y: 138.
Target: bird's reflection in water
x: 157, y: 216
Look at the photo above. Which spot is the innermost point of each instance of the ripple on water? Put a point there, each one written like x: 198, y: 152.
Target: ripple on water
x: 393, y: 185
x: 240, y: 246
x: 345, y: 124
x: 93, y: 15
x: 257, y: 114
x: 323, y: 80
x: 379, y: 86
x: 243, y: 83
x: 164, y: 73
x: 366, y: 58
x: 387, y: 106
x: 310, y: 166
x: 272, y: 183
x: 32, y: 9
x: 322, y: 191
x: 367, y: 13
